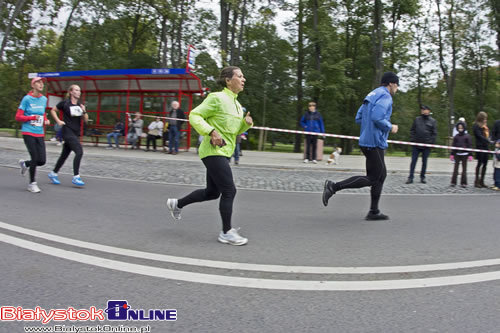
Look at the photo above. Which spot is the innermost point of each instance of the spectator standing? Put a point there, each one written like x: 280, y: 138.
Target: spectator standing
x: 31, y: 113
x: 423, y: 130
x: 74, y: 113
x: 496, y: 165
x: 495, y: 133
x: 495, y: 136
x: 312, y: 121
x: 118, y: 131
x: 237, y: 148
x: 481, y: 134
x: 460, y: 120
x: 174, y: 127
x: 155, y: 129
x: 461, y: 140
x: 134, y: 130
x: 374, y: 115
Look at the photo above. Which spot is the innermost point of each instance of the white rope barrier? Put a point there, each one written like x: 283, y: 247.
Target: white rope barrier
x: 341, y: 136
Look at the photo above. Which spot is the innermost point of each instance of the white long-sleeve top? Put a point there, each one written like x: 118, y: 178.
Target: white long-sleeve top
x: 156, y: 125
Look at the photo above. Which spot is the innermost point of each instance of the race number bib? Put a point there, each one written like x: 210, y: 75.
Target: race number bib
x: 75, y: 110
x: 37, y: 122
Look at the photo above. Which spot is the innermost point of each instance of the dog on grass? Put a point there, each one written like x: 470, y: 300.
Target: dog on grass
x: 334, y: 157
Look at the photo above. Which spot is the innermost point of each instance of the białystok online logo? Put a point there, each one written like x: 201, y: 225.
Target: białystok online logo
x: 116, y: 311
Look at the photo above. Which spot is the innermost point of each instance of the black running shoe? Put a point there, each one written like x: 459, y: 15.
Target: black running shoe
x: 375, y: 217
x: 327, y: 192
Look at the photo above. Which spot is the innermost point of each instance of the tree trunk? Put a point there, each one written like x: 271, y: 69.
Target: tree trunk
x: 2, y: 4
x: 421, y: 31
x: 62, y: 50
x: 135, y: 36
x: 172, y: 45
x: 240, y: 35
x: 180, y: 22
x: 395, y: 15
x: 448, y: 77
x: 495, y: 9
x: 162, y: 47
x: 232, y: 46
x: 300, y: 70
x: 378, y: 38
x: 224, y: 23
x: 6, y: 35
x: 317, y: 48
x: 419, y: 72
x: 454, y: 51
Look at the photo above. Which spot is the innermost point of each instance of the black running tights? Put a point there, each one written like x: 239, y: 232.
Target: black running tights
x: 219, y: 183
x: 71, y: 143
x: 36, y: 148
x: 375, y: 176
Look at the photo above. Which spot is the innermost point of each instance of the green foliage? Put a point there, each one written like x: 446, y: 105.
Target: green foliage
x: 108, y: 34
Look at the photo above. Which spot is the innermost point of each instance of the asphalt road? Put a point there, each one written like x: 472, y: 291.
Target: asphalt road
x: 360, y: 276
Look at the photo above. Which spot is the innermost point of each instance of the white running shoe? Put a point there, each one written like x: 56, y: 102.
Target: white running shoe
x: 306, y: 161
x: 174, y: 210
x: 33, y: 188
x: 23, y: 166
x: 315, y: 162
x: 232, y: 238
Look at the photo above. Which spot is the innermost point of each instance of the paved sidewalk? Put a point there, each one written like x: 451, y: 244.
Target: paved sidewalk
x: 257, y: 170
x: 261, y: 159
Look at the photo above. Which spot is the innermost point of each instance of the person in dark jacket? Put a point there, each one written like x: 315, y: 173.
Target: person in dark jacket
x: 312, y: 121
x: 423, y: 130
x: 495, y: 137
x: 118, y: 131
x: 481, y: 134
x: 462, y: 140
x: 495, y: 133
x: 174, y: 127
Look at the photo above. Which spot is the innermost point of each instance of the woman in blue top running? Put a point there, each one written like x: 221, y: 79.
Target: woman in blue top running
x: 31, y: 113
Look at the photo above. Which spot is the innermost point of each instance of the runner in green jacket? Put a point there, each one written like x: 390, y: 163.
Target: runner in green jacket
x: 219, y: 119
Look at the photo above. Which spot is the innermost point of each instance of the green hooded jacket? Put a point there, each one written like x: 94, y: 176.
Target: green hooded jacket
x: 220, y: 111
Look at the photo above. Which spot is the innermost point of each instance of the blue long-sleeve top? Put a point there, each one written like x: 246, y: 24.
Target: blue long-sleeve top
x: 312, y: 122
x: 374, y: 115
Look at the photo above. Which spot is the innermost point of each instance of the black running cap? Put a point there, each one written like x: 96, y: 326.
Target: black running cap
x: 389, y: 77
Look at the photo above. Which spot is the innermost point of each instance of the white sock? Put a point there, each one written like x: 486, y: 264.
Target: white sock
x: 76, y: 176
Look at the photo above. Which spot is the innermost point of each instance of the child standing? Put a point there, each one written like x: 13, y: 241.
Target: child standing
x: 496, y: 165
x: 462, y: 140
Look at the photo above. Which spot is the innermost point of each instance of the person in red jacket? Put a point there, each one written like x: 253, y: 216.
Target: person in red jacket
x: 31, y: 113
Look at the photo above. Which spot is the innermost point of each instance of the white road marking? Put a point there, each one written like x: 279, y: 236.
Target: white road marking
x: 251, y: 282
x: 249, y: 266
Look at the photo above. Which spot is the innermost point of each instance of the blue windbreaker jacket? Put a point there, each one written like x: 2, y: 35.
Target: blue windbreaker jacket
x: 375, y: 118
x: 312, y: 122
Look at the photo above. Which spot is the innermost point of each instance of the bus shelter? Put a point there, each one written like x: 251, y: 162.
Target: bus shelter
x: 110, y: 94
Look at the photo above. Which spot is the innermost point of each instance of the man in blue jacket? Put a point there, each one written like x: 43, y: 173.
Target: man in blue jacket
x: 312, y: 121
x: 374, y: 115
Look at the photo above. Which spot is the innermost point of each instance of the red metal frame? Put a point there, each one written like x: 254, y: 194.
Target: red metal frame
x: 55, y: 88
